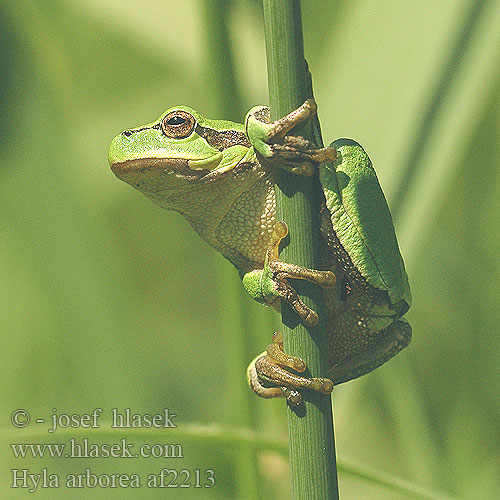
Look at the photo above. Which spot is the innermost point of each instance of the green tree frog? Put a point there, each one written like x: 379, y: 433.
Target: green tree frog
x: 219, y: 176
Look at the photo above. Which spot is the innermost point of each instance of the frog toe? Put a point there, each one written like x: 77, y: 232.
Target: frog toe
x: 269, y: 375
x: 276, y: 273
x: 290, y: 152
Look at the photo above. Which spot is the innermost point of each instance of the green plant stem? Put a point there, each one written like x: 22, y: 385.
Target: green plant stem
x: 310, y: 426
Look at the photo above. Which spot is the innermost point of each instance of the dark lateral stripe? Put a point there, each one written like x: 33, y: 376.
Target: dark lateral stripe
x: 222, y: 139
x: 219, y: 139
x: 128, y: 133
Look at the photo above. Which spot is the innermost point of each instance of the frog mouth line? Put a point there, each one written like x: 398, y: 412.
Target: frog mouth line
x: 140, y: 164
x: 178, y: 166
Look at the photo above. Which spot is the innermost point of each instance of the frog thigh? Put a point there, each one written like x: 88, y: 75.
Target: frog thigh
x: 386, y: 344
x: 362, y: 221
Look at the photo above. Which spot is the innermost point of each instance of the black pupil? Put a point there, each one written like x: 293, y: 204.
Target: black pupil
x: 176, y: 120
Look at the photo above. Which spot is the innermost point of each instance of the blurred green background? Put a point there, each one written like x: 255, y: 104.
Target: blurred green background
x: 108, y: 302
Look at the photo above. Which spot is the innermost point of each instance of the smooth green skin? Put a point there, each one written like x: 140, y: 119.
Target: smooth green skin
x: 362, y: 220
x: 149, y: 143
x: 152, y: 144
x: 227, y: 195
x: 359, y: 212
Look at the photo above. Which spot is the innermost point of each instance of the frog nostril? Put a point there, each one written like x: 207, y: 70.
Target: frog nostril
x: 127, y: 133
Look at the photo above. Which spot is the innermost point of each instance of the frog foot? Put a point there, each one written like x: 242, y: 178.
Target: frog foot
x: 293, y: 153
x: 268, y: 375
x: 274, y: 282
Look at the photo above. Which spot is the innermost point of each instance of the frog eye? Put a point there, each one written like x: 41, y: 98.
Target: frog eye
x: 178, y: 124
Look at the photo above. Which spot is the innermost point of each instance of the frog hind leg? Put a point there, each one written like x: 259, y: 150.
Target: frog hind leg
x: 387, y: 344
x: 269, y: 375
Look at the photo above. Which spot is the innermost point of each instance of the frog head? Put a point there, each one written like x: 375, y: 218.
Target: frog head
x: 175, y: 151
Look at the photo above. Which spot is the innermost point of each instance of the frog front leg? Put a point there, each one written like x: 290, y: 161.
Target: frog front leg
x: 290, y: 152
x: 270, y: 283
x: 297, y: 155
x: 269, y: 376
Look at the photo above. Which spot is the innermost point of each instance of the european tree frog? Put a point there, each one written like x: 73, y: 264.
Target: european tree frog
x: 218, y: 175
